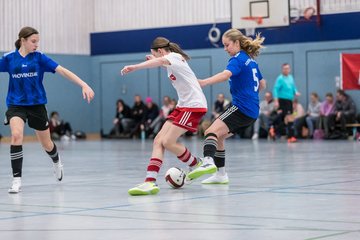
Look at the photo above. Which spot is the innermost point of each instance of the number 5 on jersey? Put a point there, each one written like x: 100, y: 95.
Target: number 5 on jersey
x: 256, y: 79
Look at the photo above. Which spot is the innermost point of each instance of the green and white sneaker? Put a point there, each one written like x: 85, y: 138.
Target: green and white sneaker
x: 146, y: 188
x: 206, y: 167
x: 217, y: 178
x: 188, y: 180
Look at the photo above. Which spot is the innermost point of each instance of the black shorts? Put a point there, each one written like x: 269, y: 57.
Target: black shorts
x: 286, y: 106
x: 36, y: 115
x: 235, y: 120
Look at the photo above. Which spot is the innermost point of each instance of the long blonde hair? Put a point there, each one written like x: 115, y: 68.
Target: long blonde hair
x: 161, y: 42
x: 250, y: 46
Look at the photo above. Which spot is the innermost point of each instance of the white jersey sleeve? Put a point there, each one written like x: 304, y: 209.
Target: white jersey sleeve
x: 190, y: 94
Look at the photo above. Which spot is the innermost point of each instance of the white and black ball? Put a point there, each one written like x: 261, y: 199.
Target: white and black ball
x: 175, y: 177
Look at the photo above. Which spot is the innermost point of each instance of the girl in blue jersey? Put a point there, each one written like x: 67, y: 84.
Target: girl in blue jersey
x: 26, y: 99
x: 245, y: 82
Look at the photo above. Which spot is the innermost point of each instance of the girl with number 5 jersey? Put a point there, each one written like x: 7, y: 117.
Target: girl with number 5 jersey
x: 245, y: 82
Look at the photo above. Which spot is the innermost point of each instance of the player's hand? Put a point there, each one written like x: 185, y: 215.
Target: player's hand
x: 88, y: 93
x: 127, y: 69
x: 202, y: 83
x: 297, y: 94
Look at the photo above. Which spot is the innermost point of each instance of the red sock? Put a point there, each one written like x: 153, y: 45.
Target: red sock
x: 188, y: 158
x: 153, y: 169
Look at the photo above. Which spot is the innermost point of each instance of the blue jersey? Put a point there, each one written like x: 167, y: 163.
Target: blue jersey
x: 26, y: 77
x: 244, y: 83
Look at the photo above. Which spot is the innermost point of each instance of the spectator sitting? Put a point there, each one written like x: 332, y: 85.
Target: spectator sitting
x: 345, y: 112
x: 151, y: 113
x: 59, y: 129
x: 161, y: 118
x: 138, y: 115
x: 219, y: 106
x: 313, y: 114
x: 298, y: 113
x: 279, y: 125
x: 327, y: 108
x: 266, y: 109
x: 122, y: 121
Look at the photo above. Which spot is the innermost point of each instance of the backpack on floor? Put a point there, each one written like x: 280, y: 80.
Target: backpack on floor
x: 319, y: 134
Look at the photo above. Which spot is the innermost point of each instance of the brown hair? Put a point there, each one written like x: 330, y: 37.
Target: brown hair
x: 285, y: 64
x: 329, y: 95
x: 341, y: 92
x: 161, y: 42
x: 25, y: 32
x: 315, y: 95
x: 249, y: 45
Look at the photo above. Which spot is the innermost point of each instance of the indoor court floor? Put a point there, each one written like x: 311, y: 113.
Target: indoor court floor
x: 306, y: 190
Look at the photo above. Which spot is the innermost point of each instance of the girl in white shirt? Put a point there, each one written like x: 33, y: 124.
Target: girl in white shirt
x: 191, y: 107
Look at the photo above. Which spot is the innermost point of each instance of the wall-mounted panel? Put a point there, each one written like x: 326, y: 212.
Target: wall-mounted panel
x: 113, y: 15
x: 270, y: 66
x: 114, y: 86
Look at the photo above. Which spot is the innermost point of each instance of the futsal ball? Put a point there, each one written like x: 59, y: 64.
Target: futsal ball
x: 175, y: 177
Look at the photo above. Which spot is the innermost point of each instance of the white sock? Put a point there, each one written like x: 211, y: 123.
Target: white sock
x: 221, y: 171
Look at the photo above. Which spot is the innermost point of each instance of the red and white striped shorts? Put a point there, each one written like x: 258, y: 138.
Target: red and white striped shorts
x: 187, y: 118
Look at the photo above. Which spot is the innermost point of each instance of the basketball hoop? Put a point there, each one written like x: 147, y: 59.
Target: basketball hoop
x: 258, y: 20
x: 250, y: 31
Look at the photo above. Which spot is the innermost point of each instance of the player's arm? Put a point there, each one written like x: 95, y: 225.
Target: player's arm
x: 3, y: 66
x: 262, y: 84
x: 217, y: 78
x: 88, y: 93
x: 152, y: 63
x: 275, y: 93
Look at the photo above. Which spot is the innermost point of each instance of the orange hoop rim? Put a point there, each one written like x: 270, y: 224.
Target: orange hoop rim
x: 258, y: 20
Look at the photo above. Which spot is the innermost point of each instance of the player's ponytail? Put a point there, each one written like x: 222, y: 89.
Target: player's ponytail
x: 161, y: 42
x: 25, y: 32
x: 18, y: 44
x: 250, y: 46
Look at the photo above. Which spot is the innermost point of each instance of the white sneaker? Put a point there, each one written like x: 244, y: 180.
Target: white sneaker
x: 217, y: 178
x: 59, y: 170
x: 65, y: 138
x: 16, y: 185
x: 255, y: 136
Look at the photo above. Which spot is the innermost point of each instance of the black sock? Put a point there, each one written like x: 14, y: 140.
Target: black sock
x: 210, y: 145
x: 219, y: 158
x: 54, y: 154
x: 16, y: 155
x: 290, y: 128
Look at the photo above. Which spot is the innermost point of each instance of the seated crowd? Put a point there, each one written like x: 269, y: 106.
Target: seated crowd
x: 322, y: 120
x: 142, y: 119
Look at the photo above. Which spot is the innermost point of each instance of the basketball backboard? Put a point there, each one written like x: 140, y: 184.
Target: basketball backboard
x: 274, y: 13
